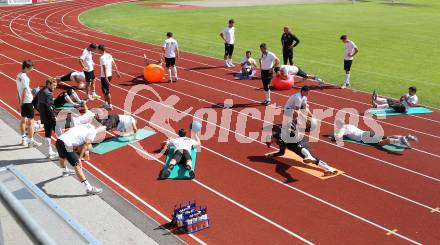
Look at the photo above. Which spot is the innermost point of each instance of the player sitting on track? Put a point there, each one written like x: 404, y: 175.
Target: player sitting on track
x: 406, y: 101
x: 76, y: 76
x: 248, y: 67
x: 182, y: 149
x: 301, y: 148
x: 68, y: 96
x: 292, y: 70
x: 354, y: 133
x: 125, y: 124
x: 297, y: 105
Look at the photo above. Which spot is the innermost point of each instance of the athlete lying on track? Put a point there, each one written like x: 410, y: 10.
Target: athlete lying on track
x: 301, y: 148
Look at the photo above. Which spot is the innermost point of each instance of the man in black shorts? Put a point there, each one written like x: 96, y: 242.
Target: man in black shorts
x: 182, y: 152
x: 86, y: 62
x: 79, y: 137
x: 228, y: 36
x: 268, y: 63
x: 47, y: 114
x: 350, y: 51
x: 25, y: 104
x: 288, y: 41
x: 170, y: 51
x: 76, y: 76
x: 107, y: 62
x: 280, y: 136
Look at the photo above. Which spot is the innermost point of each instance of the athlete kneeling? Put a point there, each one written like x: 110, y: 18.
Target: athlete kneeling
x: 301, y: 148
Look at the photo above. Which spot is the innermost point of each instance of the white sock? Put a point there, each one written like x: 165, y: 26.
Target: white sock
x: 395, y: 141
x: 68, y: 99
x: 76, y: 97
x: 381, y: 100
x: 49, y: 145
x: 170, y: 75
x: 66, y: 168
x: 383, y: 106
x: 347, y: 78
x: 267, y: 95
x: 87, y: 185
x: 306, y: 153
x: 175, y: 72
x: 324, y: 166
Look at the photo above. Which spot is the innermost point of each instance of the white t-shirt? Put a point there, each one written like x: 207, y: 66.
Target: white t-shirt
x: 296, y: 100
x: 183, y: 143
x: 87, y: 58
x: 107, y: 61
x: 289, y: 70
x: 79, y: 135
x: 170, y: 45
x: 229, y: 34
x: 79, y: 74
x: 267, y: 60
x: 125, y: 123
x: 349, y: 49
x: 411, y: 99
x: 84, y: 118
x: 23, y: 83
x: 245, y: 62
x: 351, y: 132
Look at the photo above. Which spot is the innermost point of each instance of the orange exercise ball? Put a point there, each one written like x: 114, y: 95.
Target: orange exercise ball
x: 154, y: 73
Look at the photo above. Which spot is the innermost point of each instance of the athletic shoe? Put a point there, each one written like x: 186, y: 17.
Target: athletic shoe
x: 411, y: 137
x: 309, y: 160
x: 90, y: 97
x: 33, y: 143
x: 76, y: 105
x: 345, y: 85
x: 374, y: 95
x: 231, y: 65
x: 176, y: 79
x: 192, y: 175
x: 266, y: 102
x: 374, y: 105
x: 52, y: 156
x: 330, y: 173
x: 167, y: 171
x: 95, y: 96
x: 24, y: 141
x: 94, y: 191
x: 405, y: 142
x: 68, y: 172
x: 320, y: 81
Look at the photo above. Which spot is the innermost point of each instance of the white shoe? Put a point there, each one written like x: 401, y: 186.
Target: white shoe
x: 24, y: 141
x: 68, y: 172
x: 94, y: 191
x: 33, y: 143
x: 345, y: 85
x: 52, y: 156
x: 231, y: 64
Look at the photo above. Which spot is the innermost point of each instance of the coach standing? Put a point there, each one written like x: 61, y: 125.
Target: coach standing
x: 268, y: 61
x: 47, y: 114
x: 228, y: 36
x: 288, y: 41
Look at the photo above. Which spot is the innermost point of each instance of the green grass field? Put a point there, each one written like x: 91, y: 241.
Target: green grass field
x: 399, y: 44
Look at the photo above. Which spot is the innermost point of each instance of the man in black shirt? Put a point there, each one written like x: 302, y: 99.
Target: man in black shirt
x: 288, y: 41
x: 47, y: 115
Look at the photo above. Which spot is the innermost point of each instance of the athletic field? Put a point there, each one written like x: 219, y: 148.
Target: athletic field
x: 399, y: 44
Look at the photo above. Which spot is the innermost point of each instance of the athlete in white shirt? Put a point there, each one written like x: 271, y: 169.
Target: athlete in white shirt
x: 107, y: 63
x: 369, y: 137
x: 25, y: 104
x: 182, y: 151
x: 125, y: 124
x: 80, y: 137
x: 406, y: 101
x: 350, y: 51
x: 248, y: 67
x: 297, y: 106
x: 170, y: 51
x: 268, y: 61
x: 76, y: 76
x: 292, y: 70
x: 86, y: 62
x: 228, y: 36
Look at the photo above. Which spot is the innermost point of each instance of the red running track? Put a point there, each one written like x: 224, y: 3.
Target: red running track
x: 382, y: 198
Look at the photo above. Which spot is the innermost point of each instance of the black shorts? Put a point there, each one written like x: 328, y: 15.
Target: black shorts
x: 229, y: 49
x: 170, y: 62
x: 27, y: 110
x: 49, y: 126
x: 182, y: 156
x: 68, y: 154
x: 90, y: 76
x: 111, y: 122
x: 266, y: 78
x: 105, y: 86
x: 347, y: 64
x: 66, y: 78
